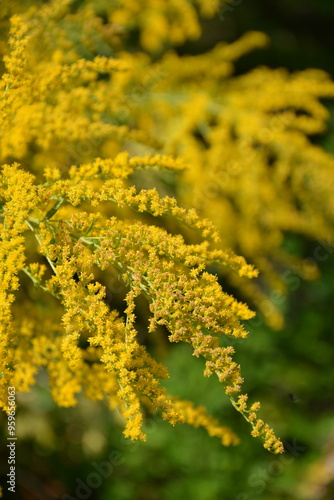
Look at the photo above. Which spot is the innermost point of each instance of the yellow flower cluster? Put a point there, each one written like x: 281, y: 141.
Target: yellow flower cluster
x: 17, y: 197
x: 89, y: 345
x: 163, y: 22
x: 198, y: 417
x: 253, y: 169
x: 44, y: 97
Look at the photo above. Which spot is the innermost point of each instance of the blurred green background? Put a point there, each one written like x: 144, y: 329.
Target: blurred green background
x: 290, y: 371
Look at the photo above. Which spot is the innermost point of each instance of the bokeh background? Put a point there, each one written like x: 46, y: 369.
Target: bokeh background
x: 291, y: 371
